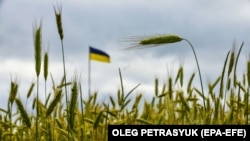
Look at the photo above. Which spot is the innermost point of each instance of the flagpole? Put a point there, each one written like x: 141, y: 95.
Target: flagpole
x: 89, y: 72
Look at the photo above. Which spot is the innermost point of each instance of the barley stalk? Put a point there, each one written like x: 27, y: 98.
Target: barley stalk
x: 180, y: 76
x: 248, y: 80
x: 46, y: 65
x: 189, y: 89
x: 13, y: 92
x: 12, y: 96
x: 97, y: 120
x: 23, y: 113
x: 170, y: 90
x: 73, y: 104
x: 222, y: 76
x: 54, y: 102
x: 112, y: 101
x: 231, y: 61
x: 30, y: 89
x: 168, y: 39
x: 47, y: 100
x: 156, y: 87
x: 236, y: 62
x: 37, y: 30
x: 164, y: 39
x: 248, y: 71
x: 198, y: 66
x: 58, y: 15
x: 45, y: 71
x: 235, y: 78
x: 137, y: 101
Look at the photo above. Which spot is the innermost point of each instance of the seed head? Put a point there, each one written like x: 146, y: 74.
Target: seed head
x: 58, y: 14
x: 37, y: 31
x: 152, y: 41
x: 164, y: 39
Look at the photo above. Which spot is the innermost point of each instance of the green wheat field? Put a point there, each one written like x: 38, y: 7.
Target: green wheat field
x: 225, y: 102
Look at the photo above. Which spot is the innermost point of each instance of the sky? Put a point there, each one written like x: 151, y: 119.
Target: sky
x: 111, y: 25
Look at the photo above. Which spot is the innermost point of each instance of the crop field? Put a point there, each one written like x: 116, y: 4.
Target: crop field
x: 226, y: 100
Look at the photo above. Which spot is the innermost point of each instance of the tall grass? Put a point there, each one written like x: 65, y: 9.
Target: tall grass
x: 45, y: 72
x: 175, y: 101
x: 58, y: 16
x: 154, y: 41
x: 38, y: 61
x: 12, y: 97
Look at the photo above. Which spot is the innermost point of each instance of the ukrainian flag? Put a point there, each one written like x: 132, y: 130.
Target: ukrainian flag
x: 98, y: 55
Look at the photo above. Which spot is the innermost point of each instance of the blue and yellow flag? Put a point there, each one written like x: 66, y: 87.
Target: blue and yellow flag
x: 98, y: 55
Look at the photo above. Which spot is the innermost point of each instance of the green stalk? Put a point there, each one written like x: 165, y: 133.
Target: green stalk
x: 46, y: 68
x: 81, y: 102
x: 58, y: 15
x: 12, y: 96
x: 73, y: 105
x: 248, y: 80
x: 235, y: 78
x: 38, y: 62
x: 197, y: 63
x: 169, y: 39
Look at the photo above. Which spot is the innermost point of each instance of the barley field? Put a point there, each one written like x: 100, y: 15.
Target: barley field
x: 173, y: 102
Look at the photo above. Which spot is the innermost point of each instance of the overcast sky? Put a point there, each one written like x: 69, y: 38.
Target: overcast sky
x: 210, y: 25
